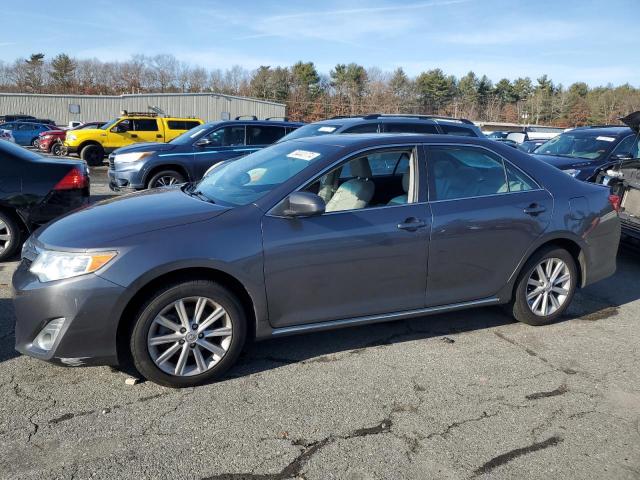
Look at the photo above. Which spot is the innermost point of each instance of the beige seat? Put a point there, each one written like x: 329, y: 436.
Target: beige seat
x: 402, y: 199
x: 355, y: 193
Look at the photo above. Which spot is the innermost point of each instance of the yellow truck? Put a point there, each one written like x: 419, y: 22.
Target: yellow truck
x: 131, y: 127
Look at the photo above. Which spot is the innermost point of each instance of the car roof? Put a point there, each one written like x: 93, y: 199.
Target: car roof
x: 281, y: 123
x: 377, y: 118
x: 604, y: 130
x: 363, y: 140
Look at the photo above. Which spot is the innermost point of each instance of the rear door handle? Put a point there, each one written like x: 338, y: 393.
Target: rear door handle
x: 133, y: 135
x: 535, y: 209
x: 412, y: 224
x: 158, y: 136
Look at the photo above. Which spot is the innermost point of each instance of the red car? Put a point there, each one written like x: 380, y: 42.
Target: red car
x: 51, y: 141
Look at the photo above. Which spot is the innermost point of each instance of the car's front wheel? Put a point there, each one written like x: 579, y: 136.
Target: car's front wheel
x: 10, y: 236
x: 545, y: 287
x: 165, y: 178
x: 188, y: 334
x: 92, y: 154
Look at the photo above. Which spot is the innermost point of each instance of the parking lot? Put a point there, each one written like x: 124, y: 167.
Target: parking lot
x: 462, y: 395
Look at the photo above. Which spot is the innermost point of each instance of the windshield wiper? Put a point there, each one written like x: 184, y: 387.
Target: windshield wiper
x: 190, y: 189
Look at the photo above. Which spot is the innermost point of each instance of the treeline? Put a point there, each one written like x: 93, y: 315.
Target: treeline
x: 346, y: 89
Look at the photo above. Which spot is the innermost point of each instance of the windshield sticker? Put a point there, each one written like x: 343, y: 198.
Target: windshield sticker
x: 606, y: 139
x: 303, y: 155
x: 327, y: 129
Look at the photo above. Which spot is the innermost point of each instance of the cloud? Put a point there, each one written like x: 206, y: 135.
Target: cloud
x: 519, y: 33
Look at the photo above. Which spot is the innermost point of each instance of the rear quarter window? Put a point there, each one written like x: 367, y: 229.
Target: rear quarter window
x: 182, y: 124
x: 457, y: 130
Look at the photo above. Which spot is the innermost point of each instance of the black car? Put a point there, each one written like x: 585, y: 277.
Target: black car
x: 16, y: 117
x: 189, y: 156
x: 388, y: 123
x: 585, y: 151
x: 35, y: 190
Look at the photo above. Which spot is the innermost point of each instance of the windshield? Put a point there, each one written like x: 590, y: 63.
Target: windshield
x: 249, y: 178
x: 311, y: 130
x: 587, y: 145
x: 191, y: 135
x: 109, y: 124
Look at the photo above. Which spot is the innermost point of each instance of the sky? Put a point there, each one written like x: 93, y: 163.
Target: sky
x: 590, y: 41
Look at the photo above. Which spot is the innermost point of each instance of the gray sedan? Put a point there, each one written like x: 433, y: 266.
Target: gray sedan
x: 309, y: 235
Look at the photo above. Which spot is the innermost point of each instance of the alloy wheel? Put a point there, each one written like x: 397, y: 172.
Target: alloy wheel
x: 5, y: 236
x: 548, y: 286
x: 165, y: 181
x: 189, y: 336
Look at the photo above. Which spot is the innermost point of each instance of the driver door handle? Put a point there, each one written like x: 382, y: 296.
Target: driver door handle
x: 412, y: 224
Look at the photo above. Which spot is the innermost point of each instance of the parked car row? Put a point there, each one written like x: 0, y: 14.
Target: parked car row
x: 52, y: 141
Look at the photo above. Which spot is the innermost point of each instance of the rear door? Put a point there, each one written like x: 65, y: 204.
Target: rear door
x: 146, y: 130
x: 486, y: 214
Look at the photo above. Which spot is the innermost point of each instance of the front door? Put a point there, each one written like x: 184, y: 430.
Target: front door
x: 486, y: 214
x: 222, y: 144
x: 367, y: 255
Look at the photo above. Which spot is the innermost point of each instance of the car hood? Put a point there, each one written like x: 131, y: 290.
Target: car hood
x: 101, y: 224
x: 145, y: 147
x: 564, y: 163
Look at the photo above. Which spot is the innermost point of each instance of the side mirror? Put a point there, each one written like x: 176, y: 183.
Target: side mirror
x: 303, y: 204
x: 119, y: 129
x: 622, y: 156
x: 203, y: 142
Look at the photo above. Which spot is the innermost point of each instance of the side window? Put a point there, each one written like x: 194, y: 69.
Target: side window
x: 410, y: 128
x: 364, y: 128
x: 234, y: 136
x: 518, y: 180
x: 263, y: 134
x: 627, y: 147
x: 457, y: 130
x: 216, y: 137
x: 26, y: 126
x: 361, y: 188
x: 8, y: 126
x: 145, y: 125
x: 464, y: 172
x: 181, y: 124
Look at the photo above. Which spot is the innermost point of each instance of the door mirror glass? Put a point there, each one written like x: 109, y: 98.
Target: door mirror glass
x: 303, y: 204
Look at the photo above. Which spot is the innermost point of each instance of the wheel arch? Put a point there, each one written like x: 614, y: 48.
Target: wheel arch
x: 86, y: 143
x: 572, y: 245
x: 166, y: 166
x: 127, y: 318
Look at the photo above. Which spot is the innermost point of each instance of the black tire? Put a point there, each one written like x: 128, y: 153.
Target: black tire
x: 519, y: 306
x: 56, y: 149
x: 165, y: 178
x: 139, y: 349
x: 93, y: 155
x: 10, y: 236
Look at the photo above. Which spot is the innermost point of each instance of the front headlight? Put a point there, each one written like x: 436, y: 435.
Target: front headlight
x: 130, y: 157
x: 52, y: 265
x: 71, y: 137
x: 572, y: 171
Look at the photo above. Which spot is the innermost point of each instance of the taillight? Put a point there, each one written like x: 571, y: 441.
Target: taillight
x: 75, y: 178
x: 615, y: 202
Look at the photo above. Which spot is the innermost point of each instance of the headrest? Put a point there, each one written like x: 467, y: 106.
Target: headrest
x: 405, y: 182
x: 360, y: 167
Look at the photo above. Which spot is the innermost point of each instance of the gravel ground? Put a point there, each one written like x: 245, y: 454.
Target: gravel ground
x: 463, y: 395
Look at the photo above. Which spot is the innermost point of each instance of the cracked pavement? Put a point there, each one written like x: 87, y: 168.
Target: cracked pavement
x: 458, y: 396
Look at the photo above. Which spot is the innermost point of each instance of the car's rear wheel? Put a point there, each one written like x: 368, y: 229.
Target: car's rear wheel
x: 165, y: 178
x: 10, y: 236
x: 188, y: 334
x: 92, y: 154
x: 545, y: 287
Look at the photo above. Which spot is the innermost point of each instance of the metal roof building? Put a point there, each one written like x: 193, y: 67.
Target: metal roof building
x: 64, y: 108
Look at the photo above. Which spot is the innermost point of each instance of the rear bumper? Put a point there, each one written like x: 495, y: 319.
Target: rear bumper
x: 86, y: 305
x: 56, y: 204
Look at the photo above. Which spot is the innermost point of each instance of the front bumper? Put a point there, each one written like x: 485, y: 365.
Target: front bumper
x: 70, y: 148
x: 127, y: 179
x: 86, y: 303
